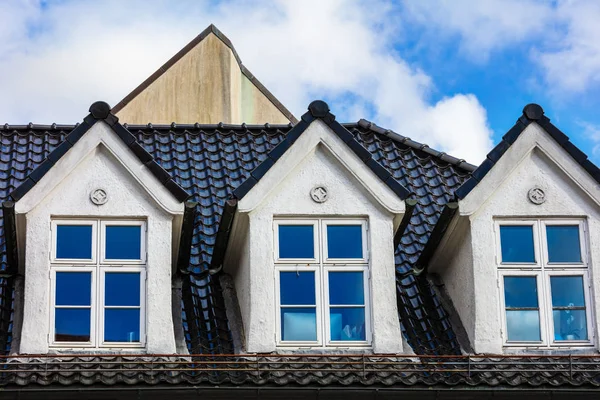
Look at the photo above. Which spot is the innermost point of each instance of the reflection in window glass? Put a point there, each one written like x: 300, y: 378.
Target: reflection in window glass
x: 346, y: 288
x: 72, y: 324
x: 298, y: 289
x: 344, y: 241
x: 74, y: 242
x: 522, y: 310
x: 122, y: 325
x: 568, y: 308
x: 72, y: 311
x: 122, y: 289
x: 516, y: 242
x: 123, y: 242
x: 563, y: 243
x: 298, y: 324
x: 296, y: 241
x: 73, y: 288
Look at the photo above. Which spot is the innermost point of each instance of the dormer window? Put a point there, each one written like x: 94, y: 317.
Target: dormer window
x: 543, y: 275
x: 98, y: 283
x: 322, y: 282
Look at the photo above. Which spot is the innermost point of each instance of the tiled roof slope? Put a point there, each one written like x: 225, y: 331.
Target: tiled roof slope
x: 210, y: 161
x: 313, y: 371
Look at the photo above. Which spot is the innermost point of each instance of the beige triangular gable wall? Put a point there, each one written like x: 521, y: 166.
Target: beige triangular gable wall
x: 206, y: 85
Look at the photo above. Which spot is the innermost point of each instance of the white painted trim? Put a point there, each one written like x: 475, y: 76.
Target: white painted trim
x: 98, y: 269
x: 364, y: 237
x: 543, y: 270
x: 533, y: 138
x: 102, y: 306
x: 100, y: 134
x: 54, y: 231
x: 116, y: 222
x: 316, y: 240
x: 93, y: 307
x: 320, y: 134
x: 321, y: 270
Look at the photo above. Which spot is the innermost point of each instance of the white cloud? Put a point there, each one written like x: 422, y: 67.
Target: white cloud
x: 562, y: 36
x: 65, y: 56
x: 482, y: 26
x: 573, y: 62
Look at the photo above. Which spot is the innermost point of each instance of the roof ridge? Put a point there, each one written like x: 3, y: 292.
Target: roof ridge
x: 186, y: 49
x: 99, y: 111
x: 459, y: 162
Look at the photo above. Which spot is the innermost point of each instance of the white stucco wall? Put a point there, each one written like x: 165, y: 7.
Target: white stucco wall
x: 285, y: 191
x: 67, y: 189
x: 535, y: 159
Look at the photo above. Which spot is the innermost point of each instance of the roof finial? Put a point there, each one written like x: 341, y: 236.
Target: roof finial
x: 100, y: 110
x: 533, y: 112
x: 318, y: 109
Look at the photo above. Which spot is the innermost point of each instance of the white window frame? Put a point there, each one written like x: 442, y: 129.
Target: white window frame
x: 54, y: 241
x: 98, y: 267
x: 543, y: 270
x: 104, y: 224
x: 321, y: 265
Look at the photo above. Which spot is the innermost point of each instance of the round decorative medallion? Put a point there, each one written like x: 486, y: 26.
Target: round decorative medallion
x: 99, y: 197
x: 319, y: 194
x: 536, y: 195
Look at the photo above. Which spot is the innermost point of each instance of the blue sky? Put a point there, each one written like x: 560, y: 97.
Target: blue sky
x: 453, y: 74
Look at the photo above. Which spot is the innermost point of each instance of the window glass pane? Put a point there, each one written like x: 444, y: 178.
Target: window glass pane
x: 74, y: 241
x: 563, y: 243
x: 72, y: 324
x: 297, y: 288
x: 122, y: 325
x: 523, y: 325
x: 567, y: 291
x: 347, y: 323
x: 296, y: 241
x: 346, y: 288
x: 570, y: 325
x: 344, y: 241
x: 73, y: 288
x: 520, y: 291
x: 122, y: 289
x: 298, y: 324
x: 123, y: 242
x: 516, y: 242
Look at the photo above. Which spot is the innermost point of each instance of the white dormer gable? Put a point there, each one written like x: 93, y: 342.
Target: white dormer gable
x: 318, y: 159
x: 63, y: 197
x: 534, y: 187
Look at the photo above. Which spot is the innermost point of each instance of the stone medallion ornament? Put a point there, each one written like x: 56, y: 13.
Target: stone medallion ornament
x: 536, y: 195
x: 319, y: 194
x: 99, y: 197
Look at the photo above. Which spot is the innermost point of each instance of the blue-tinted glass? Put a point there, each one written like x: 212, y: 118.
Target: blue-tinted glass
x: 516, y: 242
x: 298, y: 324
x: 123, y: 242
x: 73, y: 288
x: 346, y: 288
x: 72, y: 324
x: 347, y: 323
x: 563, y: 243
x: 520, y: 291
x: 74, y: 241
x: 122, y: 325
x: 344, y: 241
x: 523, y: 325
x: 570, y: 325
x: 297, y: 288
x: 296, y: 241
x: 567, y: 291
x: 122, y: 289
